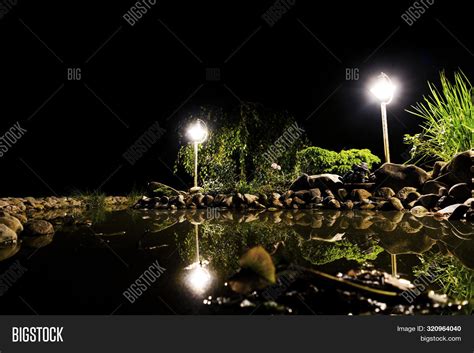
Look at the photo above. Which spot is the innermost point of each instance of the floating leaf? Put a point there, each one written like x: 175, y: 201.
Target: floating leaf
x: 259, y: 261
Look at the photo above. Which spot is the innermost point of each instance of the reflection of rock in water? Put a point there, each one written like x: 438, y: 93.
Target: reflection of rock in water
x: 398, y: 232
x: 9, y: 251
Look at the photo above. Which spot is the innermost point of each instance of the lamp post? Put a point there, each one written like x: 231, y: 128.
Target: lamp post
x: 383, y: 89
x: 197, y: 133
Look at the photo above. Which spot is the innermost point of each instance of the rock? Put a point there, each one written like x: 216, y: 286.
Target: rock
x: 208, y: 200
x: 304, y: 195
x: 403, y: 193
x: 412, y: 196
x: 384, y: 192
x: 419, y: 211
x: 298, y: 201
x: 38, y: 228
x: 288, y: 202
x: 469, y: 202
x: 315, y: 195
x: 228, y: 201
x: 342, y: 193
x: 360, y: 195
x: 258, y: 205
x: 180, y: 201
x: 437, y: 169
x: 301, y: 183
x: 398, y: 176
x: 197, y: 198
x: 445, y: 201
x: 432, y: 187
x: 277, y: 203
x: 458, y: 170
x: 366, y: 205
x: 12, y: 223
x: 333, y: 204
x: 396, y: 204
x: 428, y: 201
x: 249, y: 198
x: 347, y: 205
x: 460, y: 192
x: 7, y: 236
x: 453, y: 212
x: 325, y: 181
x: 195, y: 189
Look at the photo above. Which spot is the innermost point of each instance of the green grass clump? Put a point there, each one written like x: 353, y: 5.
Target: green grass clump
x: 447, y: 120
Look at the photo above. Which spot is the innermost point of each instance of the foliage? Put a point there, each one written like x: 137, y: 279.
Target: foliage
x: 316, y: 160
x: 319, y: 253
x: 448, y: 120
x: 236, y: 150
x: 448, y: 273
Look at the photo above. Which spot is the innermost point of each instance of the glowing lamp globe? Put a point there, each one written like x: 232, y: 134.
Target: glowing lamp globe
x: 197, y: 132
x: 383, y: 89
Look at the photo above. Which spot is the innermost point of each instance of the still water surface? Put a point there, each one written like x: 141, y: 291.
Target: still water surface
x: 91, y: 261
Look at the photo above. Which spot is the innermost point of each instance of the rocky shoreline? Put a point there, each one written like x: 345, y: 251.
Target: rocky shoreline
x: 32, y: 218
x: 447, y: 192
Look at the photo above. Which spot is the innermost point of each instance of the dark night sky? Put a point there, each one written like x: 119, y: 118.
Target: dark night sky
x: 155, y: 71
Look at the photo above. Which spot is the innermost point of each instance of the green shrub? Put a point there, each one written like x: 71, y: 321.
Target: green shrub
x: 316, y: 160
x: 448, y: 120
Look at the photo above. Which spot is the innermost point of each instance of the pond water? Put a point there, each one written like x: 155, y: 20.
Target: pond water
x: 327, y: 262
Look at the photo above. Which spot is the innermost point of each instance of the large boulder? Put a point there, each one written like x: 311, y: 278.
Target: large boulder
x: 7, y: 236
x: 12, y: 222
x: 458, y: 170
x: 398, y: 176
x: 325, y: 181
x: 38, y: 228
x: 320, y: 181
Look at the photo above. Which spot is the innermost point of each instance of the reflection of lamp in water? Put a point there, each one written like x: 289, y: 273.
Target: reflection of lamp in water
x: 393, y: 260
x: 198, y: 278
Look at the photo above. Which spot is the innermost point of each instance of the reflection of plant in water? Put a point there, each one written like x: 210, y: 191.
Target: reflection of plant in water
x: 223, y: 243
x: 96, y: 214
x: 450, y: 275
x: 217, y: 244
x: 320, y: 253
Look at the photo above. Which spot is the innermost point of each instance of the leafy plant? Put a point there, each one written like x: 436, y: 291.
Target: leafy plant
x: 448, y: 273
x: 236, y: 152
x: 316, y: 160
x: 448, y: 120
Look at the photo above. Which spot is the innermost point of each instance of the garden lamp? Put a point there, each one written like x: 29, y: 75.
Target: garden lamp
x: 383, y: 89
x: 197, y: 133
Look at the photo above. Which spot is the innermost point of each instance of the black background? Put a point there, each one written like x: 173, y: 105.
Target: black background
x: 156, y: 70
